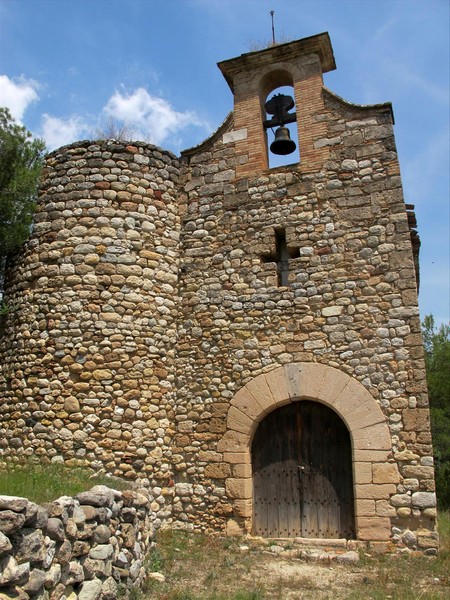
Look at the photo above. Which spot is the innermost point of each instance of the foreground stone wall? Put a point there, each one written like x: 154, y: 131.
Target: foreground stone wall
x: 87, y: 547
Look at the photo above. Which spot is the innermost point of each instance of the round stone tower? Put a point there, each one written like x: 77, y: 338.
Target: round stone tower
x: 88, y: 344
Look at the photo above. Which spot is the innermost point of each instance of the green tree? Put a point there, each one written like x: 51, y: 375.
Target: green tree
x: 437, y: 360
x: 20, y: 168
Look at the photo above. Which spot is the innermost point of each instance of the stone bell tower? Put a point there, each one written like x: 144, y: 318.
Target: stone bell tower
x: 300, y: 363
x: 253, y: 76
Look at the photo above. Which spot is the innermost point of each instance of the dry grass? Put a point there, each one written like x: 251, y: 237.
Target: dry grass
x: 199, y: 567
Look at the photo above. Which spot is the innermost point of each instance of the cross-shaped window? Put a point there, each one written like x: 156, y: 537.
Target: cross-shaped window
x: 281, y: 256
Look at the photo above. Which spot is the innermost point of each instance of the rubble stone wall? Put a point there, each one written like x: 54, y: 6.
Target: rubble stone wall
x: 88, y: 547
x: 350, y: 303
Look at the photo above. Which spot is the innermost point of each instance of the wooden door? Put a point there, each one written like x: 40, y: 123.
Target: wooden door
x: 302, y: 474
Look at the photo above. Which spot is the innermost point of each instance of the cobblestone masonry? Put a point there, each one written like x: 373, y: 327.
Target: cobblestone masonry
x: 88, y: 547
x: 150, y: 333
x: 91, y: 367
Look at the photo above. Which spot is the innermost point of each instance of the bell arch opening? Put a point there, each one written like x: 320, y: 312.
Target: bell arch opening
x: 278, y: 107
x: 282, y: 143
x: 302, y: 474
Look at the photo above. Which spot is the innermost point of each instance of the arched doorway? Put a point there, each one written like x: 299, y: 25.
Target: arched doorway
x: 375, y: 472
x: 302, y: 474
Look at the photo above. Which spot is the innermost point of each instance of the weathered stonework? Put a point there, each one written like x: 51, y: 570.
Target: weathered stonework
x: 151, y: 334
x: 94, y: 328
x: 89, y: 547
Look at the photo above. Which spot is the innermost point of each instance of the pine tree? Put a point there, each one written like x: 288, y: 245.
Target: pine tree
x: 437, y: 360
x: 20, y: 169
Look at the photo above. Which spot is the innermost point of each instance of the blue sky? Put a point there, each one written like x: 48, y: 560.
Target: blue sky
x: 67, y: 66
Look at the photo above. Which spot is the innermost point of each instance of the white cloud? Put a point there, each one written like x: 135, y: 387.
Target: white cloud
x: 17, y: 94
x: 148, y: 117
x: 153, y: 118
x: 58, y: 132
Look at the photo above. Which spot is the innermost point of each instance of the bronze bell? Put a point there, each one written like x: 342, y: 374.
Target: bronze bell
x: 282, y: 144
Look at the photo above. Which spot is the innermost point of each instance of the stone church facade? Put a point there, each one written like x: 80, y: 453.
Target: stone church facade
x: 244, y: 337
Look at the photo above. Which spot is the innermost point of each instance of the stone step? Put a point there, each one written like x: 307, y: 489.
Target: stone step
x: 307, y: 549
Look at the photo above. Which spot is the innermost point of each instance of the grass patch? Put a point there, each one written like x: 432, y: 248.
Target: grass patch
x: 444, y: 532
x: 46, y: 482
x: 196, y: 568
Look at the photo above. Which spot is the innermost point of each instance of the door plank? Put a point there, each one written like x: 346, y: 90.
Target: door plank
x: 302, y: 474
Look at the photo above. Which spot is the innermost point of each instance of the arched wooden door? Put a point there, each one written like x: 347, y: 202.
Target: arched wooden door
x: 302, y: 474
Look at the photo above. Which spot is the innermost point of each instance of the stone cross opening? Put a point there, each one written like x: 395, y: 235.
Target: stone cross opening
x: 281, y: 256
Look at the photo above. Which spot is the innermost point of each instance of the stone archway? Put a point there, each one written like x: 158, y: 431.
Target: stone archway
x: 374, y: 472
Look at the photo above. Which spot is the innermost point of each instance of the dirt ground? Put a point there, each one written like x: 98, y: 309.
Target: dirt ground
x: 293, y: 579
x: 211, y: 568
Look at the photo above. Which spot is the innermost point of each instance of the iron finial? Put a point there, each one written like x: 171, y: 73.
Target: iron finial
x: 272, y: 12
